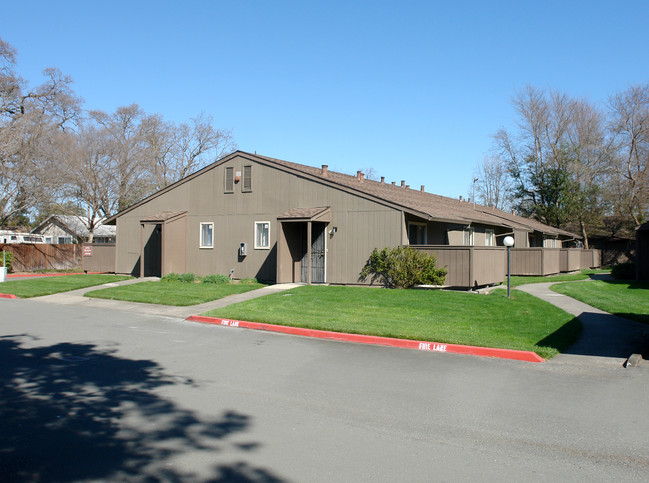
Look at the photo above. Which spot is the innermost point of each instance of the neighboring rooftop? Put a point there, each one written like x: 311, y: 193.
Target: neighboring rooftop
x: 78, y: 225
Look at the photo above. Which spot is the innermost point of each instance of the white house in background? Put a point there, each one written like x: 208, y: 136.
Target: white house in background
x: 65, y: 229
x: 10, y: 236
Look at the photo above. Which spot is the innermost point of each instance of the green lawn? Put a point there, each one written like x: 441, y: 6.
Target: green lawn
x: 626, y: 299
x: 562, y: 277
x: 523, y: 323
x: 36, y: 287
x: 172, y: 293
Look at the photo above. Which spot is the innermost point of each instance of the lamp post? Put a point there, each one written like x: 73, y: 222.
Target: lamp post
x: 508, y: 241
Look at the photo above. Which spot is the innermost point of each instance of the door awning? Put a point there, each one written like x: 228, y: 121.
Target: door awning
x: 321, y: 214
x: 162, y: 217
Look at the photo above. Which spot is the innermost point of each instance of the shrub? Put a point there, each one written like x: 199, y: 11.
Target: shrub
x: 403, y: 267
x: 170, y: 277
x: 623, y: 271
x: 9, y: 257
x: 186, y: 277
x: 216, y: 278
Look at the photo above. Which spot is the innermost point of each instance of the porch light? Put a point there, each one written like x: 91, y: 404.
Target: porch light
x: 508, y: 241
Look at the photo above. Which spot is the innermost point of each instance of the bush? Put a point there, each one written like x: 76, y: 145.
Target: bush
x: 248, y: 281
x: 216, y: 278
x: 187, y: 277
x: 9, y: 257
x: 170, y: 277
x: 623, y: 271
x: 403, y: 267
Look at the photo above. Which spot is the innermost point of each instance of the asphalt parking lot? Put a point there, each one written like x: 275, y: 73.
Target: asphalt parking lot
x: 96, y: 394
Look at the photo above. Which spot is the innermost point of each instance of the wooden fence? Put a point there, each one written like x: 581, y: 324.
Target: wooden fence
x: 469, y: 266
x: 472, y: 266
x: 30, y: 257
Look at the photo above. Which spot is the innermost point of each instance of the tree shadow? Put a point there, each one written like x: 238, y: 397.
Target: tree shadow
x: 73, y: 411
x: 564, y: 337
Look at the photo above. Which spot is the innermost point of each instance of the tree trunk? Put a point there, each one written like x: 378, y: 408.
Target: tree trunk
x: 584, y: 234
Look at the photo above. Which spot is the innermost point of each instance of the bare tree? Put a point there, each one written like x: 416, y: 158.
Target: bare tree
x: 492, y: 183
x: 629, y: 123
x: 554, y: 157
x: 33, y: 125
x: 127, y: 152
x: 179, y: 150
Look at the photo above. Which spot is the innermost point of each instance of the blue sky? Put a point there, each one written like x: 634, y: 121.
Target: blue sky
x: 413, y: 90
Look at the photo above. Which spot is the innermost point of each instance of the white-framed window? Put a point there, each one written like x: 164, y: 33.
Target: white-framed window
x: 550, y: 243
x: 489, y: 238
x: 417, y: 233
x: 207, y: 235
x: 262, y: 235
x: 469, y: 236
x: 64, y: 240
x: 49, y: 239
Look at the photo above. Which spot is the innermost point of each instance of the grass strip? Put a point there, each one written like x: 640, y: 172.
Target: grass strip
x: 172, y: 293
x: 37, y: 287
x: 522, y: 323
x: 562, y: 277
x: 624, y: 299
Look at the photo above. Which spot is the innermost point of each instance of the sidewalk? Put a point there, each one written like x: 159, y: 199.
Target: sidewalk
x: 606, y: 339
x: 76, y: 297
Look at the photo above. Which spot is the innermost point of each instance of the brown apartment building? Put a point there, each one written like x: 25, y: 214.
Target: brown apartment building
x: 255, y: 216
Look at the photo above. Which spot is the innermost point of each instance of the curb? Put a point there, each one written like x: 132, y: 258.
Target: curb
x: 525, y: 356
x: 7, y: 296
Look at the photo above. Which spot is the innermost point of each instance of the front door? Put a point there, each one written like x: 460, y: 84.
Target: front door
x: 317, y: 255
x: 153, y: 253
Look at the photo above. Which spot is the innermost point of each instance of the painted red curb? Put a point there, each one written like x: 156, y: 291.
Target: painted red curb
x: 7, y: 296
x: 19, y: 275
x: 516, y: 355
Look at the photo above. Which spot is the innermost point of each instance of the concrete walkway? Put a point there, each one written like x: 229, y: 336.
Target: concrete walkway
x: 606, y: 339
x: 76, y: 297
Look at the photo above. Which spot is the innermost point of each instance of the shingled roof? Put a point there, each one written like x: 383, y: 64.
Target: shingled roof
x: 420, y: 203
x: 77, y: 226
x: 426, y: 205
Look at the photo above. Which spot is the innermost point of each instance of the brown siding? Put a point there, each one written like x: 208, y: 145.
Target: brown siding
x: 570, y: 259
x: 101, y: 259
x: 535, y: 261
x: 591, y: 258
x: 362, y: 224
x: 470, y: 267
x: 174, y: 246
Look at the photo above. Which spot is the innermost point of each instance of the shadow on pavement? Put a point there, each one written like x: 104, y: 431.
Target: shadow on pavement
x: 72, y: 411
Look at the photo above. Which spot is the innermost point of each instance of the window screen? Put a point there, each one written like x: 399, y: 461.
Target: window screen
x: 207, y: 235
x: 247, y: 178
x: 229, y: 180
x: 489, y: 238
x: 468, y: 237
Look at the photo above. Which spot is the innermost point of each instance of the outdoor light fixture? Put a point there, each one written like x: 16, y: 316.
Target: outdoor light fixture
x: 508, y: 241
x: 333, y: 230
